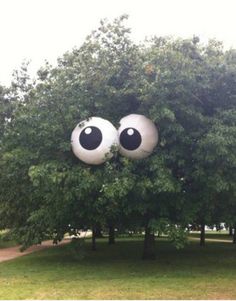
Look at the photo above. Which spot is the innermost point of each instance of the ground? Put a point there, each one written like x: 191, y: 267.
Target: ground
x: 8, y: 253
x: 117, y: 272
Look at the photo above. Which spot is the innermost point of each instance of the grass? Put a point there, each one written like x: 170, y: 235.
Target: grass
x: 117, y: 272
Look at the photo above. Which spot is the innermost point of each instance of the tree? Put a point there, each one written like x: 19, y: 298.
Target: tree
x: 46, y: 174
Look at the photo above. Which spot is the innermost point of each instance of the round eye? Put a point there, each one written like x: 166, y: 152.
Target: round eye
x: 138, y: 136
x: 130, y: 139
x: 92, y: 140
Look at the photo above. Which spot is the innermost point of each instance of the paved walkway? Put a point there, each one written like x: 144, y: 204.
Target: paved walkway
x: 14, y: 252
x: 212, y: 239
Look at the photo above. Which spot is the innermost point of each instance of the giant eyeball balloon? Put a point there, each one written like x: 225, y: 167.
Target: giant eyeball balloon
x: 92, y: 140
x: 138, y: 136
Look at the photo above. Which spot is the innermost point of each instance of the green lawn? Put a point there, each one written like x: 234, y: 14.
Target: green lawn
x: 117, y: 272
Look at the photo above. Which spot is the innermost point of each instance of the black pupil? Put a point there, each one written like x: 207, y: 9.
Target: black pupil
x: 130, y: 139
x: 90, y: 138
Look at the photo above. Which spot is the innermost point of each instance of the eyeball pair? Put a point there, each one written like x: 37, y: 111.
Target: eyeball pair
x: 93, y: 139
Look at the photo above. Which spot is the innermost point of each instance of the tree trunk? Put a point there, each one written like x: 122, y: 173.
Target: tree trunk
x: 149, y: 245
x: 94, y: 248
x: 230, y: 231
x: 111, y: 239
x: 98, y: 232
x: 234, y: 234
x: 202, y: 235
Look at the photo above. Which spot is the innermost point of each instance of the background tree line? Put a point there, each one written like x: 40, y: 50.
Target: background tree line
x: 188, y: 89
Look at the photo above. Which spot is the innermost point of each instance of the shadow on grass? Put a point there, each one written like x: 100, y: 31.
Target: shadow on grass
x: 128, y: 252
x: 118, y: 272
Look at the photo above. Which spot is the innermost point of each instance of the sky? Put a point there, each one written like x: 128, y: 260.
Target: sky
x: 39, y: 30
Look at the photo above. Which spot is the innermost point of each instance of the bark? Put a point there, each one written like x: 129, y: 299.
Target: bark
x: 111, y: 239
x: 202, y: 235
x: 94, y: 247
x: 149, y: 245
x: 98, y: 232
x: 234, y: 234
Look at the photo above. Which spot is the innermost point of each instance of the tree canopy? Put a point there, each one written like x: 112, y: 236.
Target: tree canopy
x: 187, y: 88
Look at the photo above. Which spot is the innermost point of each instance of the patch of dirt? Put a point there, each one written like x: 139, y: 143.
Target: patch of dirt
x: 14, y: 252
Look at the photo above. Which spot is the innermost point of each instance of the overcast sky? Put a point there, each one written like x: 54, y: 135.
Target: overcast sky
x: 44, y: 29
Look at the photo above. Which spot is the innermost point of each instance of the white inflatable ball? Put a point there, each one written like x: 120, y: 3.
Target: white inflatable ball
x: 138, y: 136
x: 92, y: 140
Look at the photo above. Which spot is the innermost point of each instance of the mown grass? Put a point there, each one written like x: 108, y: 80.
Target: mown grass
x: 117, y: 272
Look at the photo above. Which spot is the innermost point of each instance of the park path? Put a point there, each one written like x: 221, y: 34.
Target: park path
x: 14, y: 252
x: 212, y: 239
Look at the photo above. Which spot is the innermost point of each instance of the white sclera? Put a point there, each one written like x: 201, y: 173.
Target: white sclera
x: 146, y: 129
x: 103, y: 152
